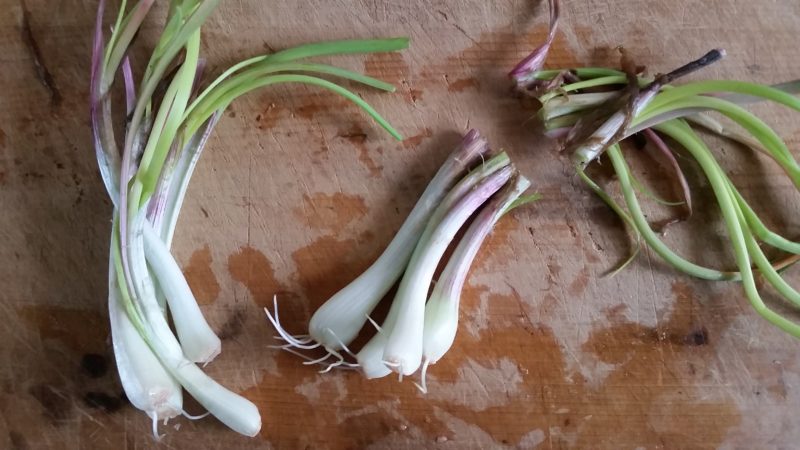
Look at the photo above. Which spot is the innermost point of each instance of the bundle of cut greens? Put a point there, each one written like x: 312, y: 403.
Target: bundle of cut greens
x: 419, y: 328
x: 596, y: 109
x: 146, y: 173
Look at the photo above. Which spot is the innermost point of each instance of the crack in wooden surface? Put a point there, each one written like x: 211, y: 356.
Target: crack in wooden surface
x: 40, y: 67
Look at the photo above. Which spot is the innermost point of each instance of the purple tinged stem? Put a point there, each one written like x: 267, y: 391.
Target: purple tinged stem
x: 404, y: 343
x: 97, y: 54
x: 523, y: 72
x: 198, y: 75
x: 665, y: 157
x: 167, y: 192
x: 120, y: 47
x: 130, y: 88
x: 615, y: 127
x: 669, y: 115
x: 558, y: 133
x: 100, y: 114
x: 480, y: 228
x: 346, y: 311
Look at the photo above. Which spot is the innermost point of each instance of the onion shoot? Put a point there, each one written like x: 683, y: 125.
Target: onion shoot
x: 596, y: 109
x: 168, y: 121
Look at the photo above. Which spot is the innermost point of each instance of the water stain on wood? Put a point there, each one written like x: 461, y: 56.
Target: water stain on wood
x: 668, y: 413
x: 42, y: 71
x: 540, y: 364
x: 463, y: 84
x: 269, y: 117
x: 674, y: 353
x: 79, y: 330
x: 390, y: 67
x: 200, y: 276
x: 275, y: 390
x: 641, y: 355
x: 482, y: 309
x: 504, y: 48
x: 498, y: 249
x: 414, y: 141
x: 330, y: 212
x: 578, y: 285
x: 323, y: 107
x: 356, y: 136
x: 233, y: 325
x: 697, y: 336
x: 56, y: 405
x: 615, y: 313
x: 94, y: 365
x: 18, y: 441
x: 298, y: 411
x: 250, y: 267
x: 327, y: 265
x: 102, y: 401
x: 367, y: 429
x: 779, y: 388
x: 413, y: 95
x: 309, y: 110
x: 343, y: 418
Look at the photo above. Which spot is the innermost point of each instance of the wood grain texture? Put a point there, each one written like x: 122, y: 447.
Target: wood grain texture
x: 298, y: 192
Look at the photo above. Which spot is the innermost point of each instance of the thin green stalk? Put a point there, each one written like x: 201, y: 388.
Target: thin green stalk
x: 583, y: 73
x: 759, y: 229
x: 343, y: 47
x: 161, y: 140
x: 590, y: 83
x: 121, y: 38
x: 684, y: 135
x: 607, y: 199
x: 212, y: 98
x: 650, y: 236
x: 761, y: 261
x: 159, y: 65
x: 718, y: 86
x: 307, y: 51
x: 564, y: 105
x: 585, y: 84
x: 639, y: 186
x: 130, y: 307
x: 564, y: 121
x: 755, y: 126
x: 115, y: 32
x: 621, y: 213
x: 194, y: 121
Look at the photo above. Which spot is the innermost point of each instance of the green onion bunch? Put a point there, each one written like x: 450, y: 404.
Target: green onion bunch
x: 471, y: 191
x: 595, y: 110
x: 146, y: 164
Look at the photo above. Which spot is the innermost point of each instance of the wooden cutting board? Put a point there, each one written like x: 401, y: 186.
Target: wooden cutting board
x: 298, y: 192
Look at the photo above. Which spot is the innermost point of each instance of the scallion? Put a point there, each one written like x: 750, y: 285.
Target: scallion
x: 167, y: 125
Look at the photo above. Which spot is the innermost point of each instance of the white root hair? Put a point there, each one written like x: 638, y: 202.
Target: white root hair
x: 191, y: 417
x: 422, y: 386
x: 294, y: 343
x: 155, y: 427
x: 374, y: 324
x: 301, y: 341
